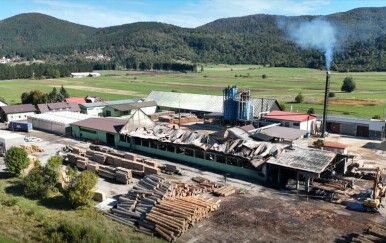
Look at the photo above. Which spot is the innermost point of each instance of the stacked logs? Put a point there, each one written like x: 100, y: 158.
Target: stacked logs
x: 216, y: 189
x: 374, y: 233
x: 158, y: 206
x: 224, y: 191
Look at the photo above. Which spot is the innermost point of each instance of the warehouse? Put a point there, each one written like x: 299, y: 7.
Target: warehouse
x: 367, y: 128
x: 204, y: 104
x: 149, y: 107
x: 55, y: 122
x: 96, y: 108
x: 110, y: 131
x: 16, y: 112
x: 58, y: 106
x: 293, y: 120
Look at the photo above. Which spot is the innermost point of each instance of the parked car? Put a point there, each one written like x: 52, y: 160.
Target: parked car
x: 32, y: 139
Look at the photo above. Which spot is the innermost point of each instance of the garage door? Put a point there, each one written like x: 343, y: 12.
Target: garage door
x: 363, y: 131
x: 333, y: 127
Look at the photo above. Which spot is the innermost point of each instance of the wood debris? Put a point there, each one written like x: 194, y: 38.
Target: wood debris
x: 30, y: 149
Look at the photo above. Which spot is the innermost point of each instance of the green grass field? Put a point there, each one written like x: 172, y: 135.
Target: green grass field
x: 52, y: 219
x: 282, y: 84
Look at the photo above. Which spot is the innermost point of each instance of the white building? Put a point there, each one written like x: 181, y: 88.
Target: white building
x: 84, y: 75
x: 292, y: 119
x: 56, y: 122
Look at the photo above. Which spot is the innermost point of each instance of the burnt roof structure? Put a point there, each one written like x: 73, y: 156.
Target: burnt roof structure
x: 308, y: 160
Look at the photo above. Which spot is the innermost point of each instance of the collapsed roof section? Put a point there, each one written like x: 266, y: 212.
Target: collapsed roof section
x: 256, y: 152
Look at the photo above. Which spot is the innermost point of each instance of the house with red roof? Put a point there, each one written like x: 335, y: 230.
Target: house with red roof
x: 292, y: 119
x: 77, y: 100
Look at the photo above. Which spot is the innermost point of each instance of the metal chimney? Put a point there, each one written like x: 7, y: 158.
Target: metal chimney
x: 325, y: 105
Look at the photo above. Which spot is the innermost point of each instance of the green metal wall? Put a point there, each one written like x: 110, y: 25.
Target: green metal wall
x: 99, y: 135
x: 233, y: 170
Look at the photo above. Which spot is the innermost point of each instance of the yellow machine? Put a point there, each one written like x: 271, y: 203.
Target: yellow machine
x: 378, y: 192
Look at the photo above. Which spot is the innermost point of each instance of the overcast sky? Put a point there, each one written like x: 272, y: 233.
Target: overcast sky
x: 185, y: 13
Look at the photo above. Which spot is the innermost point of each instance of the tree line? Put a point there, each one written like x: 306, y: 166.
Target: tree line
x: 39, y: 97
x: 41, y: 71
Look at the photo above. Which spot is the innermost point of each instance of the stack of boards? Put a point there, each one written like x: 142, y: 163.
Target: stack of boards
x: 111, y: 164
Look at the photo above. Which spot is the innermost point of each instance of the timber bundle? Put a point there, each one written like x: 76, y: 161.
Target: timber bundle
x: 111, y: 164
x: 374, y: 233
x: 161, y: 207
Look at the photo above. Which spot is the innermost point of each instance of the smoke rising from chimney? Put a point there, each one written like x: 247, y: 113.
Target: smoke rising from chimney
x: 318, y: 34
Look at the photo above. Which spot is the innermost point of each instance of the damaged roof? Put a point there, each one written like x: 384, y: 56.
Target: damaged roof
x: 248, y: 149
x: 310, y: 160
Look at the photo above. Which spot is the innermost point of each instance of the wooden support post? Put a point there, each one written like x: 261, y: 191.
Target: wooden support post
x: 297, y: 180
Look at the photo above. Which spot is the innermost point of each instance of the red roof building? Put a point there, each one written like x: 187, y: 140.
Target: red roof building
x: 78, y: 100
x: 292, y: 119
x: 334, y: 147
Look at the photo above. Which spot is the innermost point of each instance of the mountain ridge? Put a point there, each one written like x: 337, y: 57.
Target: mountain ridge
x: 255, y: 39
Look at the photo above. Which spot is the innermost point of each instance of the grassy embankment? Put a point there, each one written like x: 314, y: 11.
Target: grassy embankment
x: 282, y: 84
x: 53, y: 220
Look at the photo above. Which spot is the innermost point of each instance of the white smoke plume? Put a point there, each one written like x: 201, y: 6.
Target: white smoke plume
x: 318, y: 34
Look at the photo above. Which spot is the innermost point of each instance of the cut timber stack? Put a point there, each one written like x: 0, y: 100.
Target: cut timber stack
x: 374, y: 233
x: 123, y: 175
x: 31, y: 148
x: 77, y: 150
x: 157, y: 206
x: 224, y: 191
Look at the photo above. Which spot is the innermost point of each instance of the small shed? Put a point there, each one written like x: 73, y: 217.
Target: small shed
x: 335, y: 147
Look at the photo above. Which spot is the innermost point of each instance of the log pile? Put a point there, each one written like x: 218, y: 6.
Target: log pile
x: 215, y: 188
x: 374, y: 233
x: 224, y: 191
x: 158, y: 206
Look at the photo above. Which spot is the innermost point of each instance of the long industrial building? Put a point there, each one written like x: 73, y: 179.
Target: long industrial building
x: 205, y: 104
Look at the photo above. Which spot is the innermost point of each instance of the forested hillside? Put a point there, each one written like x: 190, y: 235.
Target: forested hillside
x: 255, y: 39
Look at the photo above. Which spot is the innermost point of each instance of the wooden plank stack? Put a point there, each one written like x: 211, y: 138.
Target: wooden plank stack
x: 31, y: 148
x: 374, y: 233
x: 157, y: 206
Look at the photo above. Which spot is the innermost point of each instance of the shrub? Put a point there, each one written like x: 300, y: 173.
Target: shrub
x: 331, y: 94
x: 40, y: 179
x: 348, y: 85
x: 80, y: 192
x: 299, y: 98
x: 311, y: 111
x: 16, y: 160
x: 263, y: 76
x: 376, y: 117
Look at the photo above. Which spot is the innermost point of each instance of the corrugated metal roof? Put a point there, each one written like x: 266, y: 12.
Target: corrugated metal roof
x: 43, y: 108
x: 111, y: 125
x: 310, y: 160
x: 60, y: 117
x: 205, y: 103
x: 280, y: 132
x: 132, y: 106
x: 108, y: 103
x: 12, y: 109
x: 289, y: 116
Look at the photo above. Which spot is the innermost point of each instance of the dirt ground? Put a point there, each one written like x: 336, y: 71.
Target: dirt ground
x: 279, y: 218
